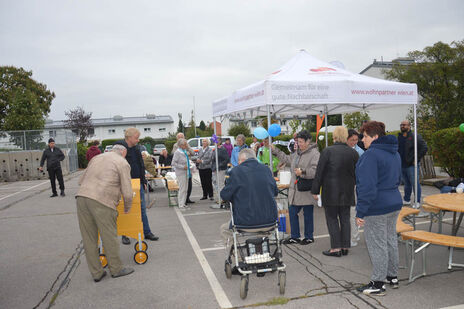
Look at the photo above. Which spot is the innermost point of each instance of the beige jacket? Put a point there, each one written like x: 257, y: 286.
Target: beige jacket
x: 307, y: 161
x: 107, y: 177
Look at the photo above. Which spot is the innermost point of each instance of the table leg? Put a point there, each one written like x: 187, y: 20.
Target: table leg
x: 440, y: 219
x: 458, y: 224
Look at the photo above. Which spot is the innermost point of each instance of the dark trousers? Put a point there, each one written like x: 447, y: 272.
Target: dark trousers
x: 53, y: 174
x: 206, y: 182
x: 338, y: 223
x: 189, y: 190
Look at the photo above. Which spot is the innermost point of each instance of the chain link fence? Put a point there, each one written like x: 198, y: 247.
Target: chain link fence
x: 21, y: 151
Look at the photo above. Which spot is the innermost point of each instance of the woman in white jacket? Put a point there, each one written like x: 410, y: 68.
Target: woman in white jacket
x: 181, y: 165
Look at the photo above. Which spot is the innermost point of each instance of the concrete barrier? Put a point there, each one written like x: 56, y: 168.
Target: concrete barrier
x: 4, y: 166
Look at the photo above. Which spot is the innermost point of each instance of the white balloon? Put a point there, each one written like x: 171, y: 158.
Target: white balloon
x: 321, y: 137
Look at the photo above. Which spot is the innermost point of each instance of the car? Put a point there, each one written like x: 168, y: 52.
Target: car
x: 158, y: 148
x: 195, y: 143
x: 108, y: 148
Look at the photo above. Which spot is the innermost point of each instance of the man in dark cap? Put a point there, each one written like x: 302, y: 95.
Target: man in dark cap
x: 54, y: 156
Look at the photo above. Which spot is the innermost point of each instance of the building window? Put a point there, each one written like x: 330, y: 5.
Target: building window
x: 146, y: 129
x: 283, y: 122
x: 162, y: 129
x: 91, y: 131
x: 111, y: 131
x: 52, y: 133
x: 254, y: 124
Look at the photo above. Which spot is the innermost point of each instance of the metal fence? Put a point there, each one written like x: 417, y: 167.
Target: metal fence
x: 20, y: 153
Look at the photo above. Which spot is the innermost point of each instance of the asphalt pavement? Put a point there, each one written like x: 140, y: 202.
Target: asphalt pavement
x: 43, y: 264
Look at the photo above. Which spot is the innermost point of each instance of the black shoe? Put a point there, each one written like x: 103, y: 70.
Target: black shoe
x: 334, y: 253
x: 235, y: 271
x: 373, y: 288
x: 101, y: 277
x: 124, y: 272
x: 125, y: 240
x: 53, y: 195
x: 306, y: 241
x: 62, y: 193
x: 393, y: 281
x: 260, y: 274
x: 203, y: 198
x: 151, y: 236
x: 291, y: 241
x: 344, y: 251
x: 190, y: 202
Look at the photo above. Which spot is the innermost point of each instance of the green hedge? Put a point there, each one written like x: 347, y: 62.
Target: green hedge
x: 169, y: 144
x: 448, y: 151
x: 107, y: 142
x: 81, y: 152
x: 320, y: 144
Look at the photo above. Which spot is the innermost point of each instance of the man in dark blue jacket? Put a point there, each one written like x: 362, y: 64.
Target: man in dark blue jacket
x: 54, y: 156
x: 251, y: 188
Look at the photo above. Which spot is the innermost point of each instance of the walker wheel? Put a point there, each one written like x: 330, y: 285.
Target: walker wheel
x: 244, y: 287
x: 103, y: 260
x: 282, y: 281
x: 228, y: 269
x: 144, y: 246
x: 140, y: 257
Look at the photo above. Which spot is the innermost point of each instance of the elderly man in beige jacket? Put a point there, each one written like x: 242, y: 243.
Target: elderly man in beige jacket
x: 106, y: 177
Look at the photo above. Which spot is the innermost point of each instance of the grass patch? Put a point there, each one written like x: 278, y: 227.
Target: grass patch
x: 273, y: 302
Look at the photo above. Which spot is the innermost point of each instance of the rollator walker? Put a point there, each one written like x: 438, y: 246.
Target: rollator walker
x: 256, y: 250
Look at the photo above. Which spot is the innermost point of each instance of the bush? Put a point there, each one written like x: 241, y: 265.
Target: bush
x: 169, y: 144
x: 81, y: 152
x: 240, y: 128
x: 448, y: 151
x: 107, y: 142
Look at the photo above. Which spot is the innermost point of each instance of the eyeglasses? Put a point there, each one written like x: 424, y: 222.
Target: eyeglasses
x: 403, y: 125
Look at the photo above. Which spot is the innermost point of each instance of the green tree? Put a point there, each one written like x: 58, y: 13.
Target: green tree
x: 263, y: 121
x: 80, y: 122
x: 438, y: 72
x: 180, y: 126
x: 294, y: 124
x: 24, y: 102
x: 355, y: 120
x: 202, y: 125
x: 239, y: 128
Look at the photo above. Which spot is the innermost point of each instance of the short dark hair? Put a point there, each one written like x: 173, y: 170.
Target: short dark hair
x: 373, y: 128
x: 96, y: 143
x: 352, y: 132
x: 304, y: 135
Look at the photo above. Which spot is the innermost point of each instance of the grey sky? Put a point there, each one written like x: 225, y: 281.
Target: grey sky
x: 137, y: 57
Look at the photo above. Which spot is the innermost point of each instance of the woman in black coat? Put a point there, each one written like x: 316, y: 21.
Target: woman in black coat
x: 336, y: 175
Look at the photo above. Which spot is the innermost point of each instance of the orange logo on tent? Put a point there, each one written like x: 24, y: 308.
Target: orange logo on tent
x: 322, y: 69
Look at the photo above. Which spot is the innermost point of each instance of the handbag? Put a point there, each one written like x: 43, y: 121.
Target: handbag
x: 303, y: 184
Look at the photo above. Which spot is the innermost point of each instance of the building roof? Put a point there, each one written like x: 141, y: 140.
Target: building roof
x: 388, y: 64
x: 116, y: 121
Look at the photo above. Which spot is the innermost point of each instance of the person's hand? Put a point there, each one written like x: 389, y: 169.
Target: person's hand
x: 185, y: 167
x: 145, y: 187
x: 198, y: 160
x: 298, y: 172
x: 315, y: 197
x: 360, y: 222
x: 41, y: 168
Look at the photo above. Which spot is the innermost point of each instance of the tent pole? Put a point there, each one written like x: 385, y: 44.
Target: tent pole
x: 269, y: 137
x: 326, y: 133
x: 415, y: 158
x: 218, y: 198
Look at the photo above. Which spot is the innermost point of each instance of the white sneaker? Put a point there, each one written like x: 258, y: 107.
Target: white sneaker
x: 354, y: 243
x: 406, y: 203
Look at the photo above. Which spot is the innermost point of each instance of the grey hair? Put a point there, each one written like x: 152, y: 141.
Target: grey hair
x: 207, y: 141
x: 181, y: 141
x: 246, y: 154
x: 241, y: 136
x: 119, y: 149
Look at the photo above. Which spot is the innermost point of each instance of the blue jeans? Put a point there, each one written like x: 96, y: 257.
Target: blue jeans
x: 143, y: 208
x: 308, y: 221
x: 408, y: 180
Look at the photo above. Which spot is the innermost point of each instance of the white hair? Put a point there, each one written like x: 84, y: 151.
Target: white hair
x: 246, y: 154
x: 119, y: 149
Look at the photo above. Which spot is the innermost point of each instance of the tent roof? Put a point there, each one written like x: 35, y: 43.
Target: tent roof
x: 307, y: 85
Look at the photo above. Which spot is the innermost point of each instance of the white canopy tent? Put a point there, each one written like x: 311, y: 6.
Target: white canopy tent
x: 308, y: 86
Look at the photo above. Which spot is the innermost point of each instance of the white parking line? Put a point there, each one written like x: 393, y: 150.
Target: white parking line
x: 24, y: 190
x: 206, y: 213
x: 219, y: 293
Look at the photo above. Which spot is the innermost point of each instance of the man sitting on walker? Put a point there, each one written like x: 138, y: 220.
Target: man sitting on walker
x: 251, y: 188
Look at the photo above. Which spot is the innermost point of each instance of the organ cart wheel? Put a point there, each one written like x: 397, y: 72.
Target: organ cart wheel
x: 244, y: 287
x: 103, y: 260
x: 140, y: 257
x: 282, y: 281
x: 144, y: 246
x: 228, y: 269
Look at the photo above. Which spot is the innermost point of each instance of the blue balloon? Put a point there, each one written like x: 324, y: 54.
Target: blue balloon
x: 260, y: 133
x: 274, y: 130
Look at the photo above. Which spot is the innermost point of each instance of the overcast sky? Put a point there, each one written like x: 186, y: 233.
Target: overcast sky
x: 133, y: 58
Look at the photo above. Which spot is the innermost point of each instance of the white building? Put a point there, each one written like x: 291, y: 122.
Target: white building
x: 391, y: 116
x: 155, y: 126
